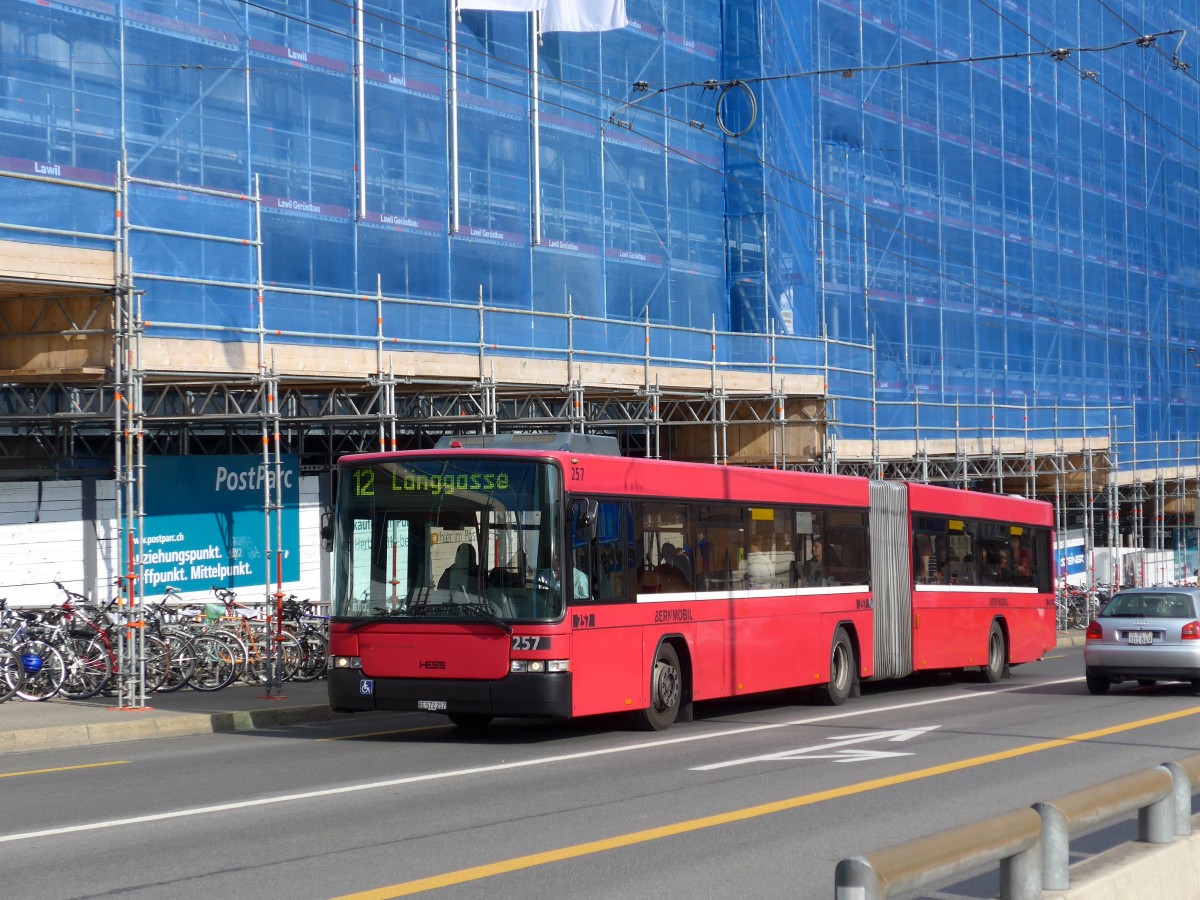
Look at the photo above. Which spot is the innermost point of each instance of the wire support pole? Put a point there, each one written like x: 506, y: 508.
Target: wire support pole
x: 259, y: 287
x: 482, y: 341
x: 570, y: 335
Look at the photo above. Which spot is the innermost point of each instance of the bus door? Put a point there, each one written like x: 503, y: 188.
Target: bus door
x: 606, y: 645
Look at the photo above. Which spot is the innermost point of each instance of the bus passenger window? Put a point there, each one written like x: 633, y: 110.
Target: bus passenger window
x: 596, y: 555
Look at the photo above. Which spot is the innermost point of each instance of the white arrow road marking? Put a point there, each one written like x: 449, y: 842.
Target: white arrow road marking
x: 848, y: 755
x: 820, y: 751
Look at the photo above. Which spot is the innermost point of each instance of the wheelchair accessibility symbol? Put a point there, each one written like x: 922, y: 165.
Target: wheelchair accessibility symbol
x: 366, y: 686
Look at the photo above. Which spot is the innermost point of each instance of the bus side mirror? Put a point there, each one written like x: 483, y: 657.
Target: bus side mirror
x: 327, y: 532
x: 585, y: 513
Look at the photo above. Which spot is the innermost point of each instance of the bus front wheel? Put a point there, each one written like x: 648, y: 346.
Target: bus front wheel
x: 666, y: 691
x: 841, y: 672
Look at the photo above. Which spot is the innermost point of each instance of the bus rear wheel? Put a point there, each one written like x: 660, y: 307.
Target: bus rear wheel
x: 997, y: 656
x: 841, y: 672
x: 666, y: 691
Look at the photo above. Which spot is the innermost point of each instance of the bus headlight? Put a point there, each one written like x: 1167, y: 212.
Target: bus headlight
x: 538, y: 665
x: 347, y: 662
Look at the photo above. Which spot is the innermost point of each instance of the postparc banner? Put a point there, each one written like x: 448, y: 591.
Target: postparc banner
x: 204, y: 523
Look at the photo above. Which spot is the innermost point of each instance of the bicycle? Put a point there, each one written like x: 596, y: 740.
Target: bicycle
x: 43, y: 668
x: 90, y: 645
x: 1073, y: 609
x: 201, y: 660
x: 252, y: 635
x: 12, y: 671
x: 312, y: 631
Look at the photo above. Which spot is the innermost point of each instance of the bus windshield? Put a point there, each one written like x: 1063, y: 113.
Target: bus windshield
x: 448, y: 537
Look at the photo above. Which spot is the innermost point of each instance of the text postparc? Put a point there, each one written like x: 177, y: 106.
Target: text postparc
x: 253, y: 479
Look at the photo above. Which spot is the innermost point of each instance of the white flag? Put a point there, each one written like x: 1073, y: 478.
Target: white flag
x: 504, y: 5
x: 583, y: 15
x: 561, y: 15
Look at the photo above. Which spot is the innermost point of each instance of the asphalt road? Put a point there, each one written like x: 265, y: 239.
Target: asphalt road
x: 756, y: 798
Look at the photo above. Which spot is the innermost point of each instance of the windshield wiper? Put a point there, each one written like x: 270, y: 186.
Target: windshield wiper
x: 489, y: 616
x: 380, y: 616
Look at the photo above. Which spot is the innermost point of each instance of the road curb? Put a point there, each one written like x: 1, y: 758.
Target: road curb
x: 61, y: 737
x: 251, y: 719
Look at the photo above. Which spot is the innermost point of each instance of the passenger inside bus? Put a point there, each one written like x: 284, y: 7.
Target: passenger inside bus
x: 463, y: 572
x: 814, y: 567
x: 760, y: 564
x: 1020, y: 560
x: 924, y: 565
x: 674, y: 570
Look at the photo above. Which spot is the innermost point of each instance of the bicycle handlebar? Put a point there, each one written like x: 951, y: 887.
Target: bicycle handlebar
x: 70, y: 593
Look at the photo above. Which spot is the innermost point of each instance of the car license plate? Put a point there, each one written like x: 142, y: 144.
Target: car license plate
x: 440, y: 705
x: 1141, y: 637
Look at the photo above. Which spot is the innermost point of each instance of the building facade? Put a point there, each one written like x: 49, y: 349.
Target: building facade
x: 947, y: 242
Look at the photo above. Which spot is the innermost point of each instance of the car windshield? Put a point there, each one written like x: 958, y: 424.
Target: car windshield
x: 448, y: 537
x: 1150, y: 605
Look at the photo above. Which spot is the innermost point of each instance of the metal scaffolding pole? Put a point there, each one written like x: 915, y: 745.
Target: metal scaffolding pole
x: 129, y: 467
x: 272, y: 532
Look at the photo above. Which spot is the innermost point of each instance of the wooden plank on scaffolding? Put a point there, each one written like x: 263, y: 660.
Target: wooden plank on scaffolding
x: 298, y: 360
x: 44, y: 268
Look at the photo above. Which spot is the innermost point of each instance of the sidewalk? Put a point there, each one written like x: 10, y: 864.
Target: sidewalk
x: 1071, y: 638
x: 59, y: 724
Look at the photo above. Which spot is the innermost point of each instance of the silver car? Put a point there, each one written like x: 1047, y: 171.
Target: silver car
x: 1145, y: 635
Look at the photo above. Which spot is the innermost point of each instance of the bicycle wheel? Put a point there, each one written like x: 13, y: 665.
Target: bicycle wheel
x: 89, y: 667
x: 12, y: 673
x: 158, y: 662
x: 183, y: 661
x: 45, y: 670
x: 283, y: 652
x: 254, y: 670
x: 215, y: 663
x: 241, y: 654
x: 314, y: 657
x: 288, y: 654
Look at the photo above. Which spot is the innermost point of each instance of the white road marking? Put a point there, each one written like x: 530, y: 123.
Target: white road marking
x: 501, y: 767
x: 906, y: 734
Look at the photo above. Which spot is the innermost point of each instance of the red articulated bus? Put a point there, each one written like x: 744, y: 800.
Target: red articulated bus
x: 492, y: 577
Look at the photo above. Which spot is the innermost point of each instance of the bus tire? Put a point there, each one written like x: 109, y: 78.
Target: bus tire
x: 842, y: 669
x: 666, y: 690
x: 997, y: 656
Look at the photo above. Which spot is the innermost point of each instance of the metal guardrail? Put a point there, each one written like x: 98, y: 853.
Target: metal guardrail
x: 1031, y: 845
x: 1150, y: 792
x: 1012, y: 839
